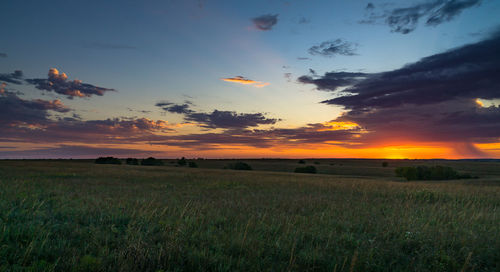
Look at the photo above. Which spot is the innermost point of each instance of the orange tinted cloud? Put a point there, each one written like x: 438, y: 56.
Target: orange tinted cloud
x: 246, y: 81
x: 332, y: 125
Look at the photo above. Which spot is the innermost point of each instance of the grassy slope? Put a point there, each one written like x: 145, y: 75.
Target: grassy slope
x: 79, y: 216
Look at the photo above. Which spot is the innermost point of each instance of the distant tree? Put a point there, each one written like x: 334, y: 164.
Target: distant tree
x: 182, y: 161
x: 151, y: 161
x: 307, y: 169
x: 192, y: 164
x: 302, y: 162
x: 239, y: 166
x: 132, y: 161
x: 422, y: 172
x: 385, y: 164
x: 107, y: 160
x: 316, y: 162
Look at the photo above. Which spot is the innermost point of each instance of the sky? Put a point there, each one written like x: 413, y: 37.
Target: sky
x: 250, y: 79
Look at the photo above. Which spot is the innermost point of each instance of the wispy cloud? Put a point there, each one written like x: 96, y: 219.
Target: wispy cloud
x: 334, y: 47
x: 14, y: 78
x: 265, y: 22
x: 246, y: 81
x: 405, y: 20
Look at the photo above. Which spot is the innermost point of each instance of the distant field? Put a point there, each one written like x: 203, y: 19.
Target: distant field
x: 355, y: 215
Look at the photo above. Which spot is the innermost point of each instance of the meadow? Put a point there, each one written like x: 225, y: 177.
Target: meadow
x: 354, y: 215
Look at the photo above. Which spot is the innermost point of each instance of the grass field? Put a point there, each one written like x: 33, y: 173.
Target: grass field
x: 355, y: 215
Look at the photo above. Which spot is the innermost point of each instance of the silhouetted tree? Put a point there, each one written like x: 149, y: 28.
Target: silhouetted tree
x: 182, y: 162
x: 239, y: 166
x: 422, y: 172
x: 107, y: 160
x: 307, y: 169
x: 132, y: 161
x: 151, y: 161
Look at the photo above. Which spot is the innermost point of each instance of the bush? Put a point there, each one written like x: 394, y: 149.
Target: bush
x: 239, y: 166
x: 108, y: 160
x: 308, y: 169
x: 192, y: 164
x: 302, y: 162
x: 151, y: 161
x: 132, y: 161
x: 182, y: 162
x: 316, y: 162
x: 437, y: 172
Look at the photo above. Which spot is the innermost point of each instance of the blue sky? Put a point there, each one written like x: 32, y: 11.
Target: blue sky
x: 151, y: 51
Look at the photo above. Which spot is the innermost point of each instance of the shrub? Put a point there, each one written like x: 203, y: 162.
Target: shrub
x: 302, y: 162
x: 437, y: 172
x: 132, y: 161
x: 192, y: 164
x: 239, y: 166
x: 385, y: 164
x: 182, y: 161
x: 108, y: 160
x: 151, y: 161
x: 307, y: 169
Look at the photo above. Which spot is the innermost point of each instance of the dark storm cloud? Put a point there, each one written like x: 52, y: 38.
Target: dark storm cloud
x: 471, y: 71
x: 460, y: 121
x: 175, y: 108
x: 59, y: 83
x: 435, y: 12
x: 332, y: 48
x: 229, y: 119
x: 332, y: 80
x: 14, y: 78
x: 265, y: 22
x: 109, y: 46
x: 432, y: 100
x: 3, y: 55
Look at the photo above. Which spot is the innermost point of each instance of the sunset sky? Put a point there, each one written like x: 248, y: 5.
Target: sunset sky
x: 250, y: 79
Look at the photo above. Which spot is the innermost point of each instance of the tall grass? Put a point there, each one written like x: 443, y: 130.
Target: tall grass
x: 74, y: 216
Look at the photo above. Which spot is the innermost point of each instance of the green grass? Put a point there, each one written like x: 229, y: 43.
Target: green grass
x: 78, y: 216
